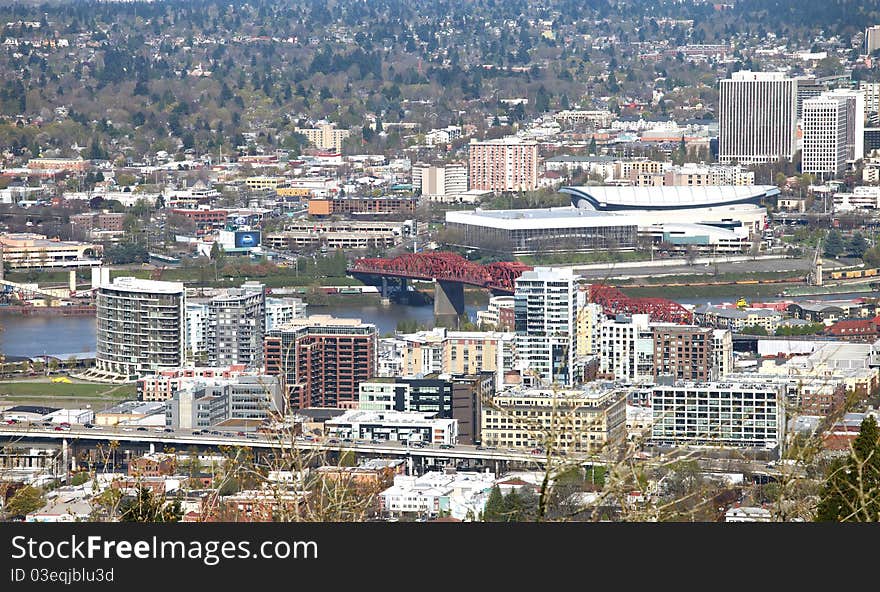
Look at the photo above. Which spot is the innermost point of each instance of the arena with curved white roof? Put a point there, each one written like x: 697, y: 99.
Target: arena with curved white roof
x: 715, y: 218
x: 611, y: 198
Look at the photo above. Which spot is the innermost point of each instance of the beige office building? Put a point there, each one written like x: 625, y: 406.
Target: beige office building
x: 585, y: 419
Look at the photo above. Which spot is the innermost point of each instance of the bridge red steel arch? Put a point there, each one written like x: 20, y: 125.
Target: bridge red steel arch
x: 501, y: 277
x: 443, y: 266
x: 614, y: 302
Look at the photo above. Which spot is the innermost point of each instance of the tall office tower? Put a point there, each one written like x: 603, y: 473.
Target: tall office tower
x: 322, y: 360
x: 505, y: 164
x: 834, y: 131
x: 807, y: 88
x: 872, y: 39
x: 757, y: 117
x: 825, y: 134
x: 855, y: 121
x: 141, y: 327
x: 236, y: 326
x: 545, y: 321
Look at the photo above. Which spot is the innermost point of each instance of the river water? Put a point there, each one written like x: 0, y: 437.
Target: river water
x: 37, y: 336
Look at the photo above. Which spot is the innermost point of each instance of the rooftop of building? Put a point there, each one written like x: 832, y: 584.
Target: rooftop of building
x: 675, y: 197
x: 133, y: 284
x: 597, y: 392
x: 396, y: 417
x: 135, y: 408
x: 35, y: 409
x: 320, y: 321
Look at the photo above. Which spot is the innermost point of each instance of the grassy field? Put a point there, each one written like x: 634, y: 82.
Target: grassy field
x: 73, y: 395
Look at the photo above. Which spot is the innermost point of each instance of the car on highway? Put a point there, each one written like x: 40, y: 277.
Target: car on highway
x: 167, y: 430
x: 142, y: 429
x: 62, y: 429
x: 374, y: 441
x: 447, y: 446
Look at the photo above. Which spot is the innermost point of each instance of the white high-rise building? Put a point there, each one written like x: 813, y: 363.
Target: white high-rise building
x: 757, y: 115
x: 872, y: 97
x: 280, y: 311
x: 545, y: 317
x: 196, y: 331
x: 141, y: 327
x: 824, y: 142
x: 872, y: 39
x: 855, y: 121
x: 441, y: 183
x: 833, y: 131
x: 626, y: 348
x: 236, y: 326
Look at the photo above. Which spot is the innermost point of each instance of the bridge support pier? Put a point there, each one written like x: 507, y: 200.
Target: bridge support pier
x: 403, y: 295
x: 448, y: 302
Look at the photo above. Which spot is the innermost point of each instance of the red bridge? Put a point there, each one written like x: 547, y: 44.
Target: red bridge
x: 615, y: 302
x: 447, y: 267
x: 452, y: 271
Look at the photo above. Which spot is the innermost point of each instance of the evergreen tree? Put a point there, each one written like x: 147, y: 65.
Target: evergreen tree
x: 834, y: 244
x: 147, y: 507
x: 495, y: 506
x: 857, y: 245
x: 593, y: 147
x: 852, y: 489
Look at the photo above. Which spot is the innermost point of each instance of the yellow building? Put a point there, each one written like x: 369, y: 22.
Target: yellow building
x: 263, y: 183
x: 589, y: 328
x: 293, y: 192
x: 584, y: 419
x: 457, y: 352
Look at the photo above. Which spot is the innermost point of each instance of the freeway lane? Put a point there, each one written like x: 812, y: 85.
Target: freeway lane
x: 181, y: 439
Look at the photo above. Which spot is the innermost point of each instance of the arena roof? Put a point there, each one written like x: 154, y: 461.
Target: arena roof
x: 537, y: 218
x: 610, y: 198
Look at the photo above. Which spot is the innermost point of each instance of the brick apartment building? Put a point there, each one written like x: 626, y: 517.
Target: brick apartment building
x: 151, y: 465
x: 685, y: 353
x: 100, y: 221
x: 322, y: 360
x: 206, y: 220
x: 385, y: 205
